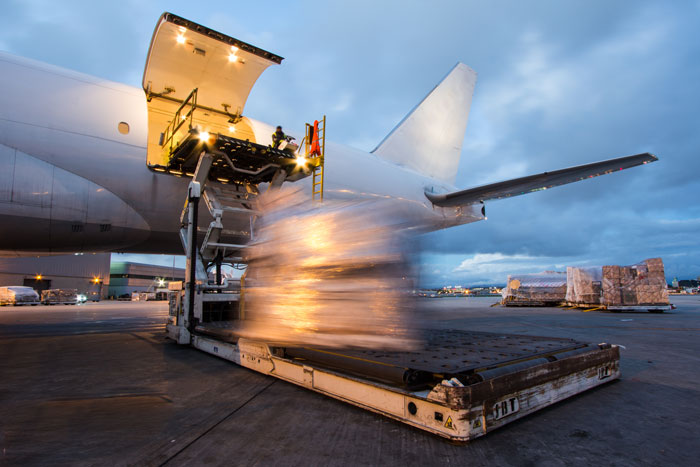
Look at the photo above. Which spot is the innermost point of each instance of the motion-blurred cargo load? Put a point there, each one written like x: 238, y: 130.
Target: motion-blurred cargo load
x: 330, y: 275
x: 543, y: 289
x: 642, y: 284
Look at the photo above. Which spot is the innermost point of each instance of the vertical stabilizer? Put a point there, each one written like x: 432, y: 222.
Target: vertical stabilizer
x: 429, y: 139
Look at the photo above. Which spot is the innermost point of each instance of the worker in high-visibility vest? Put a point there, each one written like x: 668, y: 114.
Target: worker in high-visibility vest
x: 315, y: 145
x: 277, y: 137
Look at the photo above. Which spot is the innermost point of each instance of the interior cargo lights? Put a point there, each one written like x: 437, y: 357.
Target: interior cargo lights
x: 180, y: 39
x: 301, y: 160
x: 204, y: 136
x: 232, y: 57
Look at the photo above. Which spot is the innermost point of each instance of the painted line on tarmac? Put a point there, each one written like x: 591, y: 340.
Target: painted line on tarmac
x: 208, y: 430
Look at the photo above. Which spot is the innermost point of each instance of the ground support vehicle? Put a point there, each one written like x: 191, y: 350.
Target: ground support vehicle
x: 460, y: 385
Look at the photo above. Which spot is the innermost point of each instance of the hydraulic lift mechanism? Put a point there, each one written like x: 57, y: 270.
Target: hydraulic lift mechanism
x: 460, y: 385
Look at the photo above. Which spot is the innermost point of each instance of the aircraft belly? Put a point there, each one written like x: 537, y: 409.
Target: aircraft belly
x: 44, y: 235
x: 46, y: 208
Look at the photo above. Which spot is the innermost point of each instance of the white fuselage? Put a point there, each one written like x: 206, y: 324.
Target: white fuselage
x: 70, y: 181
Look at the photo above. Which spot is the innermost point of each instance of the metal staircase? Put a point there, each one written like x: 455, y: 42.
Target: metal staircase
x: 204, y: 299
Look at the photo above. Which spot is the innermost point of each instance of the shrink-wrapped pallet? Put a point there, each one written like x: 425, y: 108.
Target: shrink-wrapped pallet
x: 584, y: 285
x: 545, y: 288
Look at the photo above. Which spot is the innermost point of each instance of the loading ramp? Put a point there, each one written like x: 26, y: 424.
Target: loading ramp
x: 461, y: 403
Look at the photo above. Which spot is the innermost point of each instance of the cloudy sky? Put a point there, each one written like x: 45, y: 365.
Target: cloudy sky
x: 560, y: 83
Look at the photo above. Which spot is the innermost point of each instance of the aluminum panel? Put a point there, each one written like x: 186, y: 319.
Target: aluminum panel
x: 32, y: 181
x: 7, y: 170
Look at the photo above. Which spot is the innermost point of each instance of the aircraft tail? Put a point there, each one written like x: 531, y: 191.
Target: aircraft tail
x: 429, y: 139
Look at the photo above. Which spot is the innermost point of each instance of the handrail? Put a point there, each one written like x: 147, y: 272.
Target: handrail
x: 249, y: 172
x: 179, y: 120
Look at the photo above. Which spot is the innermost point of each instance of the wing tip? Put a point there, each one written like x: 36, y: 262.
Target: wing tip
x: 646, y: 157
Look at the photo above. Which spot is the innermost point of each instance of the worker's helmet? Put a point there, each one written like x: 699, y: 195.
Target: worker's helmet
x: 279, y: 127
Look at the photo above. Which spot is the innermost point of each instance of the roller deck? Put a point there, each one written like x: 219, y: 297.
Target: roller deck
x: 460, y: 385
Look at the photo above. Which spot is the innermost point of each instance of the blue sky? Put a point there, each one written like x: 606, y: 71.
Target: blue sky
x: 560, y: 84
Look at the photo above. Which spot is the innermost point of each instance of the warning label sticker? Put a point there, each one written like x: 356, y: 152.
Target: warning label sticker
x: 448, y: 423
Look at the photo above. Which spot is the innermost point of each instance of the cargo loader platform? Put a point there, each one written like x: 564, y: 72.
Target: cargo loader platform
x: 235, y: 160
x: 460, y: 386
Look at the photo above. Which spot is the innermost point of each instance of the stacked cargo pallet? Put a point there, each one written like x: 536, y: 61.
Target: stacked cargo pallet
x: 59, y: 296
x: 543, y: 289
x: 583, y: 285
x: 638, y: 285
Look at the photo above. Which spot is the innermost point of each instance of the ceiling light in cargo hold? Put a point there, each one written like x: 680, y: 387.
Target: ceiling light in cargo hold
x: 232, y: 58
x: 180, y: 39
x: 204, y: 136
x: 231, y: 129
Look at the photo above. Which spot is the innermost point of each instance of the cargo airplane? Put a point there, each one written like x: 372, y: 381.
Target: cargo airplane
x: 88, y: 165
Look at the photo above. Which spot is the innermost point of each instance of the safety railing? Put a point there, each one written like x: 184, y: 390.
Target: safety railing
x: 179, y: 119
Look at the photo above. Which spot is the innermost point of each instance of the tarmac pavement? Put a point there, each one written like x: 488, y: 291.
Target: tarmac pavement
x: 99, y: 384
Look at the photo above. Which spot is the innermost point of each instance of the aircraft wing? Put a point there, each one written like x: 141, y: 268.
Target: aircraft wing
x: 543, y: 181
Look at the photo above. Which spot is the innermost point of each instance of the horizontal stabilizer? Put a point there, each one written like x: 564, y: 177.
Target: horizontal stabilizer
x: 543, y: 181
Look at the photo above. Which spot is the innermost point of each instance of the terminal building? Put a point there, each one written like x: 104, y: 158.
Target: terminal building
x: 125, y: 278
x: 87, y: 273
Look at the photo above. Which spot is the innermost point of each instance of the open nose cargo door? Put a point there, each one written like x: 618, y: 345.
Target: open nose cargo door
x: 197, y: 79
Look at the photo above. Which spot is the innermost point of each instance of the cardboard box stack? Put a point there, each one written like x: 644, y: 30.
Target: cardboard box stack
x: 612, y: 292
x: 639, y: 284
x: 59, y: 295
